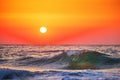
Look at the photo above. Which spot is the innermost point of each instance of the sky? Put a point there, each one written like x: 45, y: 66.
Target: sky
x: 67, y: 21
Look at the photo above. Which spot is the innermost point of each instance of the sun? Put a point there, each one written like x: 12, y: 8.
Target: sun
x: 43, y: 29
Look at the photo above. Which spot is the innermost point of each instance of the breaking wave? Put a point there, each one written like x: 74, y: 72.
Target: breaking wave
x: 70, y: 59
x: 26, y: 57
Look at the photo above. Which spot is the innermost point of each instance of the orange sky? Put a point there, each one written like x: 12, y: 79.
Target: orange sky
x: 67, y: 21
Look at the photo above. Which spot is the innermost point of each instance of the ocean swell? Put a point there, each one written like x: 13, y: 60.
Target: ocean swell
x: 72, y: 59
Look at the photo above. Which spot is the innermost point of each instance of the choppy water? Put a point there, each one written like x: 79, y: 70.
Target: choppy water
x: 58, y: 57
x: 19, y: 55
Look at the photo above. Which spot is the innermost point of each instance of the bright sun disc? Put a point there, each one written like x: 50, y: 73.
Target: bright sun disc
x: 43, y: 29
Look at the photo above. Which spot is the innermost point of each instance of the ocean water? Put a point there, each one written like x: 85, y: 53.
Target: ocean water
x: 60, y: 58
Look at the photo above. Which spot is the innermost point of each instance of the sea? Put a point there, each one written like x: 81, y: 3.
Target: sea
x: 59, y: 62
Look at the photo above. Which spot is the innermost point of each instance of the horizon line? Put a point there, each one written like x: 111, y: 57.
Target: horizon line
x: 66, y: 44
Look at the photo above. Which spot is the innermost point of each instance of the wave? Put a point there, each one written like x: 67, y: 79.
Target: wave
x: 10, y: 74
x: 42, y: 61
x: 7, y: 74
x: 91, y: 59
x: 70, y: 57
x: 73, y: 59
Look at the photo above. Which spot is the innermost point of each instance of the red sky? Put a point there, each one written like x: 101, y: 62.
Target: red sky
x: 67, y: 21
